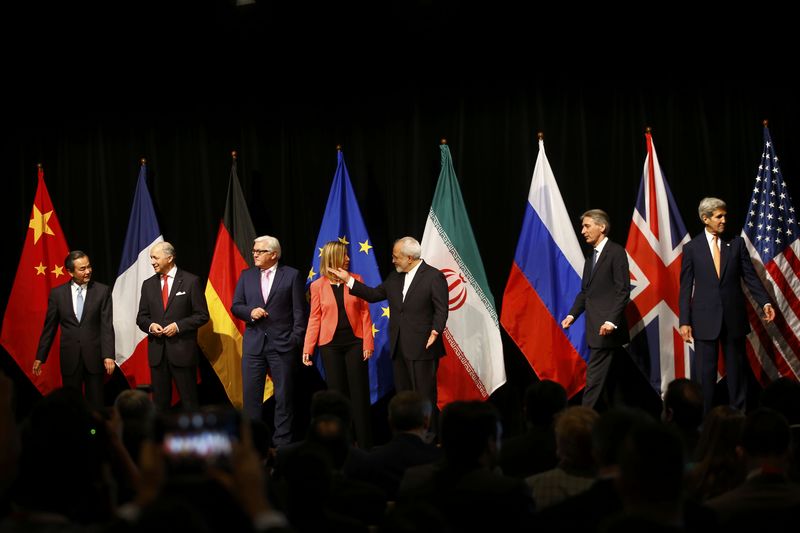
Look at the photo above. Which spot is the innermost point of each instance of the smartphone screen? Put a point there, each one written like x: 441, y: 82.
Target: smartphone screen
x: 195, y: 441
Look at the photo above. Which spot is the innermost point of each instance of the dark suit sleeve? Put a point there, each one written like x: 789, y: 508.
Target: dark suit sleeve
x: 299, y: 310
x: 439, y: 300
x: 621, y: 277
x: 687, y: 285
x: 199, y: 314
x: 579, y: 305
x: 107, y: 326
x: 750, y: 277
x: 370, y: 294
x: 51, y: 320
x: 143, y: 317
x: 239, y: 306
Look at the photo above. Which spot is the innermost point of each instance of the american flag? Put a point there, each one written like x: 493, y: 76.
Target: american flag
x: 655, y: 246
x: 771, y: 234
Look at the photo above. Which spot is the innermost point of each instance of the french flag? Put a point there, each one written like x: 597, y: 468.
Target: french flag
x: 135, y: 267
x: 542, y: 285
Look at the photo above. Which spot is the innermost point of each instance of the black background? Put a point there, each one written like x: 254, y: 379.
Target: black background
x: 92, y: 89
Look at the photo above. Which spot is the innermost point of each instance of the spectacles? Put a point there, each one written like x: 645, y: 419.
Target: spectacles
x: 259, y: 252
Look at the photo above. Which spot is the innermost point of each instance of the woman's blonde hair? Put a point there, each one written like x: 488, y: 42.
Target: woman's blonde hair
x: 332, y: 257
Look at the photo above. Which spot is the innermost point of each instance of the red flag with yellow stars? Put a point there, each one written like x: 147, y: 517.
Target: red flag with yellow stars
x: 41, y: 268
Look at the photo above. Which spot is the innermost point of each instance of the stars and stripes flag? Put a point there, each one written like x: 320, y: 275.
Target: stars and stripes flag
x: 771, y: 233
x: 655, y: 246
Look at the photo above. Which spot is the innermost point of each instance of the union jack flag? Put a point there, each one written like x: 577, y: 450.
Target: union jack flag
x: 771, y: 234
x: 655, y: 245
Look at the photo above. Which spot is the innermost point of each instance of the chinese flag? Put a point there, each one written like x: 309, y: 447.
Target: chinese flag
x: 41, y: 268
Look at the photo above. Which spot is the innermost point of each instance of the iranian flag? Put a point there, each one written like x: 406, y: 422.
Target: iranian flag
x: 473, y: 368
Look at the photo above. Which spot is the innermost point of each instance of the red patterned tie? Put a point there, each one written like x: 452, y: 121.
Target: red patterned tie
x: 164, y: 290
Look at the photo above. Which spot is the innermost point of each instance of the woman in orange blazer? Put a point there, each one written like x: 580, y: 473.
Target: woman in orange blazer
x: 340, y: 324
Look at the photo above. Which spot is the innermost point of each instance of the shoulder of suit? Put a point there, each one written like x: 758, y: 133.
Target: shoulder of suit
x: 287, y: 269
x: 96, y: 285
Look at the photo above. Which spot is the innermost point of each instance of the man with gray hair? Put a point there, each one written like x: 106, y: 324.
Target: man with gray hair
x: 270, y: 299
x: 171, y: 309
x: 417, y: 294
x: 605, y: 292
x: 712, y: 304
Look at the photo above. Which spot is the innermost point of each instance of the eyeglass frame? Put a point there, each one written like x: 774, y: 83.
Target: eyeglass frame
x: 259, y: 252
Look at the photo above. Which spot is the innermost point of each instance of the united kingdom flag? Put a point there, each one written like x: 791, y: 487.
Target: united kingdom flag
x: 771, y: 233
x: 655, y: 245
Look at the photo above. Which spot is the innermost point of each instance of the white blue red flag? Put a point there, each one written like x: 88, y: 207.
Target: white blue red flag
x: 655, y: 245
x: 134, y: 268
x: 543, y: 283
x: 771, y: 233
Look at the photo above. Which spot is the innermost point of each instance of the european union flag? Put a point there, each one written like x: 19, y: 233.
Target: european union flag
x: 343, y: 222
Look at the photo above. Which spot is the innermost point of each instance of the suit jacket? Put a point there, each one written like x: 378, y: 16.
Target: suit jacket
x: 708, y: 301
x: 186, y: 306
x: 425, y: 308
x: 283, y: 330
x: 324, y: 316
x: 604, y: 295
x: 93, y: 336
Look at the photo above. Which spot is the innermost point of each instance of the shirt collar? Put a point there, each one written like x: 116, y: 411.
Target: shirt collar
x: 601, y: 245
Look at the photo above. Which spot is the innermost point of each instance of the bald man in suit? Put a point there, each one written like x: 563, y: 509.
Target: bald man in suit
x: 172, y: 308
x: 83, y: 310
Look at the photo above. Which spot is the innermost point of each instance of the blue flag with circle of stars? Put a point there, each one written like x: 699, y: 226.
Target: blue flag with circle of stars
x: 342, y: 221
x: 771, y: 232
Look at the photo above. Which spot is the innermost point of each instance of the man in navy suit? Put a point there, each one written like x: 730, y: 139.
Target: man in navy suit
x: 417, y: 294
x: 270, y: 299
x: 172, y: 308
x: 712, y: 303
x: 605, y: 292
x: 82, y: 308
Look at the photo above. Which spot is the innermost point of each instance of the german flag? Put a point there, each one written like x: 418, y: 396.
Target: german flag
x: 221, y: 338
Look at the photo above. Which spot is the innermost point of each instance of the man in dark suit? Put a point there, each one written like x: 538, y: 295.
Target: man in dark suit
x: 270, y: 299
x: 417, y: 294
x: 82, y: 308
x: 605, y: 292
x: 712, y: 303
x: 172, y: 308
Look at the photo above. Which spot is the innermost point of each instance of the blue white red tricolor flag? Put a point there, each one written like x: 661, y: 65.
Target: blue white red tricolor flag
x: 544, y: 280
x: 771, y: 233
x: 134, y: 268
x: 655, y: 246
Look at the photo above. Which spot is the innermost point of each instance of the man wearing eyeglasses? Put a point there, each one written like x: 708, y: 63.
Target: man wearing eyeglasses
x: 270, y: 299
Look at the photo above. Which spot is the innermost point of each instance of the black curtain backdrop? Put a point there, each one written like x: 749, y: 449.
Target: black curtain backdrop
x: 708, y: 136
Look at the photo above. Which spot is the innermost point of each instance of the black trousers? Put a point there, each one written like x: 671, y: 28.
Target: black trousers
x: 90, y: 384
x: 185, y: 380
x: 597, y: 374
x: 348, y: 373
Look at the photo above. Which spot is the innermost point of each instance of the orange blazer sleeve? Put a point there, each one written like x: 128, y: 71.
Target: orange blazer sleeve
x: 314, y: 319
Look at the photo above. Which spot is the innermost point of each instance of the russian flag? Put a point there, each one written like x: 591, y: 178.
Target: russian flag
x: 542, y: 285
x: 135, y: 267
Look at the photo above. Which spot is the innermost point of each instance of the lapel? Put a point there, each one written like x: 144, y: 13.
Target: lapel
x: 708, y: 258
x: 414, y: 282
x: 67, y: 302
x: 724, y: 255
x: 88, y: 299
x: 176, y: 287
x: 277, y: 279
